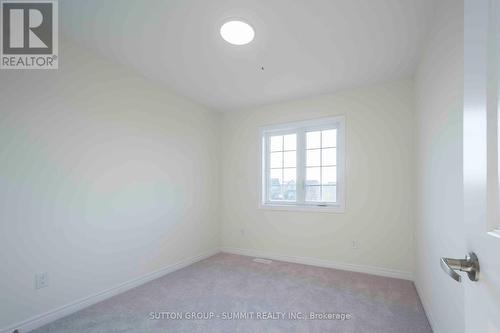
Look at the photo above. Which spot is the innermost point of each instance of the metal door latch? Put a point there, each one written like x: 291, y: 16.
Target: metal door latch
x: 470, y: 265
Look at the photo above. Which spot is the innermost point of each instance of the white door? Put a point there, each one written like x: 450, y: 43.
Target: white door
x: 481, y: 167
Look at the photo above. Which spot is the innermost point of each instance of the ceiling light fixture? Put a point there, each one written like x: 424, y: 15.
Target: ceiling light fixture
x: 237, y: 32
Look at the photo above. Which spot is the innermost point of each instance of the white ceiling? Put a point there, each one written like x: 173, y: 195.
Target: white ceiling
x: 306, y: 47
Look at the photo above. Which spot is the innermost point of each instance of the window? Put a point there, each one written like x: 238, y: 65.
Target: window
x: 303, y: 165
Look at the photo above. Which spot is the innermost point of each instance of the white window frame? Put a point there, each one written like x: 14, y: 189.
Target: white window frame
x: 338, y: 123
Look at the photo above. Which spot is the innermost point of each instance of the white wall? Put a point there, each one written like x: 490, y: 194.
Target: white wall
x: 104, y: 177
x: 439, y: 93
x: 379, y: 146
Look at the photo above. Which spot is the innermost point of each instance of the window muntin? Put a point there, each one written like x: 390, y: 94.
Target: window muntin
x: 303, y: 164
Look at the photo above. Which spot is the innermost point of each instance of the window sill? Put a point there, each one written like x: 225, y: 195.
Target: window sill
x: 304, y: 208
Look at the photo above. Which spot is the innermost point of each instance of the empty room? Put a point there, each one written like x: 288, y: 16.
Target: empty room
x: 249, y: 166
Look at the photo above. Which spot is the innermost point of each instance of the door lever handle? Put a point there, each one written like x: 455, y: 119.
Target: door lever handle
x: 470, y: 265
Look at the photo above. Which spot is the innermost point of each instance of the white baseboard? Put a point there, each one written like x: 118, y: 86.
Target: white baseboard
x: 322, y: 263
x: 425, y: 305
x: 63, y: 311
x: 50, y: 316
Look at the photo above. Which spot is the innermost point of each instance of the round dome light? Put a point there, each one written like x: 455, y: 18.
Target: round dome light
x: 237, y: 32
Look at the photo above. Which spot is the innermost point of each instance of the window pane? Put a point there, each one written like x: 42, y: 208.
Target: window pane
x: 275, y: 193
x: 290, y: 184
x: 329, y: 175
x: 329, y: 156
x: 277, y: 160
x: 329, y: 193
x: 313, y: 176
x: 277, y: 143
x: 290, y: 142
x: 313, y: 193
x: 329, y: 138
x: 313, y: 140
x: 289, y: 194
x: 276, y: 177
x: 313, y: 157
x: 289, y: 176
x: 290, y: 159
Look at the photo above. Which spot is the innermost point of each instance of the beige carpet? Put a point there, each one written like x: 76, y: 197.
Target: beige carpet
x: 230, y: 293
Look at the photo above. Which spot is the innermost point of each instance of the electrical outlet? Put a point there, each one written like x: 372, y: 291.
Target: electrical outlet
x: 354, y: 244
x: 41, y: 280
x: 242, y: 232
